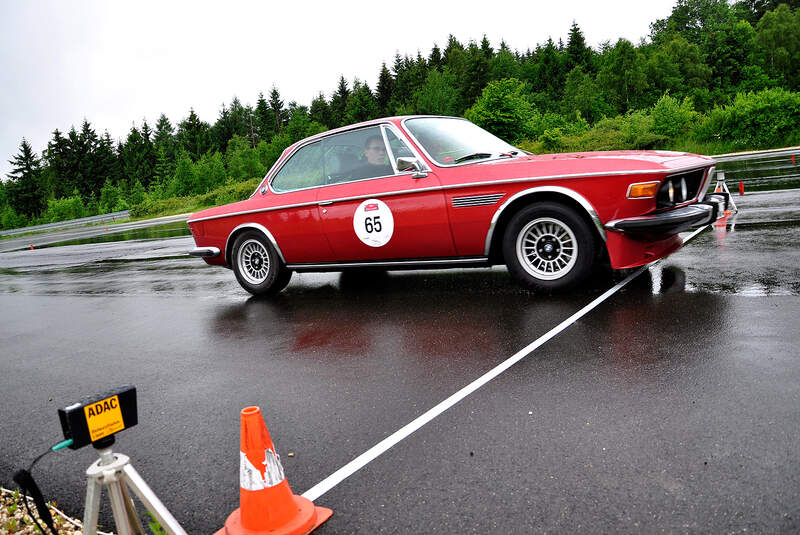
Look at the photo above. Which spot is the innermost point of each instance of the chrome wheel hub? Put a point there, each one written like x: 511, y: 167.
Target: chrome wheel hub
x: 253, y: 261
x: 546, y: 248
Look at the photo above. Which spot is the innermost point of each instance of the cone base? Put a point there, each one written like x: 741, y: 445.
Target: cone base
x: 308, y: 518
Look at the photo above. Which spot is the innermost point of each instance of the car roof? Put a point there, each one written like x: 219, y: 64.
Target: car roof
x: 396, y: 120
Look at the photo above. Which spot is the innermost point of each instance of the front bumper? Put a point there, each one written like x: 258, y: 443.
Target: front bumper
x: 205, y: 252
x: 673, y: 221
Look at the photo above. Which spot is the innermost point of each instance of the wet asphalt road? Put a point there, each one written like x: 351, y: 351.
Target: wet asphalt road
x: 672, y: 407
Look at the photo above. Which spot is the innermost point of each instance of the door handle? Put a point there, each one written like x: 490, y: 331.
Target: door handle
x: 325, y: 203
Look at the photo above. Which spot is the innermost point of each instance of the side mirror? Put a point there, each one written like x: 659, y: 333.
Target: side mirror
x: 411, y: 164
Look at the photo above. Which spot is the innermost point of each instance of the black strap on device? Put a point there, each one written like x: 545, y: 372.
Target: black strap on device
x: 24, y: 479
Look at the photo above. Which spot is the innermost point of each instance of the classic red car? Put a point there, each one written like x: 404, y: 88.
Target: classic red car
x: 430, y: 192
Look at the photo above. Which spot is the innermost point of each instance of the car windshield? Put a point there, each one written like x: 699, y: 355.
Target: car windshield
x: 449, y: 141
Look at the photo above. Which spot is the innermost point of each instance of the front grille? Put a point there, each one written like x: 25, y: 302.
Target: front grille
x: 679, y: 188
x: 476, y: 200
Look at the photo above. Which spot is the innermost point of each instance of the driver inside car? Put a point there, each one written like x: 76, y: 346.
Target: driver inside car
x: 375, y: 159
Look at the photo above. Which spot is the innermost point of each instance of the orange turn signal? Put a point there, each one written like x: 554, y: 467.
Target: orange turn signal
x: 643, y: 190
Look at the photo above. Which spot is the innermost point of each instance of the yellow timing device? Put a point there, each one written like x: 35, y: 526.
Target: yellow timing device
x: 97, y: 417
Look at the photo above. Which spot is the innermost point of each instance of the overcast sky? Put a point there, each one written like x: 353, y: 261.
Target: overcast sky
x: 116, y: 62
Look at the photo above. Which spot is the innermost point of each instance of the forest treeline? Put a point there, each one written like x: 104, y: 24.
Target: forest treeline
x: 712, y: 77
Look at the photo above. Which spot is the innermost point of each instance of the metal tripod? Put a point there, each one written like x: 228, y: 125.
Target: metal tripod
x: 723, y: 187
x: 114, y: 471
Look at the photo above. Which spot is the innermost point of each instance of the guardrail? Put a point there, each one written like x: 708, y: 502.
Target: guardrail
x: 113, y: 216
x: 766, y: 169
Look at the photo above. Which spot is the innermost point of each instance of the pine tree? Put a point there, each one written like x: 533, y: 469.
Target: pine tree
x: 279, y: 114
x: 622, y: 77
x: 25, y: 195
x: 476, y: 73
x: 404, y: 77
x: 106, y: 161
x: 163, y: 172
x: 361, y: 104
x: 56, y: 158
x: 320, y: 112
x: 504, y: 64
x: 486, y: 48
x: 435, y: 60
x: 73, y: 178
x: 164, y: 141
x: 384, y: 90
x: 339, y: 103
x: 194, y: 136
x: 453, y: 55
x: 546, y: 74
x: 263, y: 119
x: 88, y: 162
x: 578, y: 54
x: 240, y: 119
x: 132, y: 155
x: 223, y: 130
x: 148, y: 157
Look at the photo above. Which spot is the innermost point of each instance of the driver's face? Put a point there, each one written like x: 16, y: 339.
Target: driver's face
x: 375, y: 153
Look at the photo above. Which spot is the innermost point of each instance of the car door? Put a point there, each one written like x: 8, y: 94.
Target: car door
x: 293, y: 216
x: 370, y: 210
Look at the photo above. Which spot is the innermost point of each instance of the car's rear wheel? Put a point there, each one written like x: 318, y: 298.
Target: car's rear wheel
x: 547, y: 246
x: 257, y: 266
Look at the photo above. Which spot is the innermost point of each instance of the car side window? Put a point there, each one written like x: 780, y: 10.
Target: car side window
x: 398, y: 146
x: 303, y: 170
x: 356, y: 155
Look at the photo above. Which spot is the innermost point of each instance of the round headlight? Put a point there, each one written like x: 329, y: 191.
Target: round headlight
x: 684, y: 190
x: 671, y: 192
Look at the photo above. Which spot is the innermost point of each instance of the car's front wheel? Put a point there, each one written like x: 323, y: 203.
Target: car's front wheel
x: 547, y: 246
x: 257, y: 265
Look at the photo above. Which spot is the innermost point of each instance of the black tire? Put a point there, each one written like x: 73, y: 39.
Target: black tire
x: 257, y: 266
x: 549, y: 247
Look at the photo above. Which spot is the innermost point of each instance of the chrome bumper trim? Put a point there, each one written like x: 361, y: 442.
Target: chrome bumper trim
x: 204, y: 252
x: 393, y: 264
x: 670, y: 222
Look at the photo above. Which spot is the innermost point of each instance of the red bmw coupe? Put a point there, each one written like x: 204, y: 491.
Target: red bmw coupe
x: 432, y: 192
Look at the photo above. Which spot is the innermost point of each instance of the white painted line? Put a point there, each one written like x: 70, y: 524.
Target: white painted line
x: 381, y: 447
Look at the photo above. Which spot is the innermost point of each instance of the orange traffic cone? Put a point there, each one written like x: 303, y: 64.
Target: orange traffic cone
x: 266, y: 503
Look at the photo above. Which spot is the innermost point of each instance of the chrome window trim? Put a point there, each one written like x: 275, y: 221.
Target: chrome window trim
x: 260, y: 228
x: 321, y: 137
x: 391, y: 263
x: 389, y: 151
x: 454, y: 186
x: 432, y: 160
x: 544, y: 189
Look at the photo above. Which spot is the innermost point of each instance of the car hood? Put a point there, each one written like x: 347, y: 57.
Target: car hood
x: 597, y: 162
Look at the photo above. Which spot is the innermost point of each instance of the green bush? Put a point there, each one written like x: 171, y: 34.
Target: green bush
x: 763, y: 120
x: 64, y: 209
x: 624, y: 132
x: 109, y: 197
x: 243, y: 161
x: 503, y: 109
x: 229, y: 192
x: 9, y: 218
x: 672, y: 118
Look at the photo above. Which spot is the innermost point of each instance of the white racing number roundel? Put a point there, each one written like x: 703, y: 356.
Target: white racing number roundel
x: 373, y: 223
